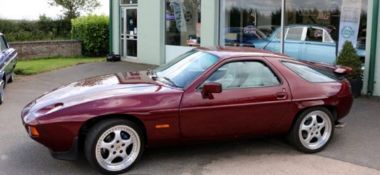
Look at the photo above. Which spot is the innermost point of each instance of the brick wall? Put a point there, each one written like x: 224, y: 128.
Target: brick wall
x: 43, y: 49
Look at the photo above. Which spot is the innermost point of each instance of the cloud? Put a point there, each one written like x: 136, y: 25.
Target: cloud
x: 32, y: 9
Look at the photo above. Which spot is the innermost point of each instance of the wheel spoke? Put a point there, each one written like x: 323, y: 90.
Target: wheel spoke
x: 318, y: 136
x: 305, y: 127
x: 314, y: 119
x: 111, y: 158
x: 106, y: 145
x: 321, y: 125
x: 127, y: 143
x: 118, y: 135
x: 309, y: 138
x: 124, y: 155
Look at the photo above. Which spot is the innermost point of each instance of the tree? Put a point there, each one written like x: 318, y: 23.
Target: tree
x: 74, y: 8
x: 348, y: 57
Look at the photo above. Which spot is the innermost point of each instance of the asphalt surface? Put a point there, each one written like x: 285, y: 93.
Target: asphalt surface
x: 354, y: 149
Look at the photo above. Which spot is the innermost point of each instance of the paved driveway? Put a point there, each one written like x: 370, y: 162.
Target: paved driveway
x: 354, y: 149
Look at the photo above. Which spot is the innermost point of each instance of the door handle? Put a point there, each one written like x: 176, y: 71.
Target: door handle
x: 281, y: 96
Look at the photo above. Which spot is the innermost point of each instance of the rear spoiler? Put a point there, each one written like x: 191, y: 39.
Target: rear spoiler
x: 336, y: 69
x: 342, y: 70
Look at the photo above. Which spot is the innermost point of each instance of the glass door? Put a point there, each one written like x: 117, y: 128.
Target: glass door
x: 129, y: 32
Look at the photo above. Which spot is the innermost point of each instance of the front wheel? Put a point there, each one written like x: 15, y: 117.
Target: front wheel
x: 312, y: 130
x: 114, y: 146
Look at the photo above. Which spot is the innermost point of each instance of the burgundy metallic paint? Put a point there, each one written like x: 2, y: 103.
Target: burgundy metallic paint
x: 232, y: 113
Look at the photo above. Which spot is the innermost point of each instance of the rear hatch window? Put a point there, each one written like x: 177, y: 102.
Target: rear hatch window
x: 311, y: 73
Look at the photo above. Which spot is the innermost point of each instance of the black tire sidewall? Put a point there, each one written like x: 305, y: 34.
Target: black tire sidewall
x: 97, y: 131
x: 294, y: 138
x: 2, y: 91
x: 12, y: 77
x: 1, y: 97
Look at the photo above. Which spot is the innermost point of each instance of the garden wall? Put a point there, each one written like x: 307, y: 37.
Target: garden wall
x: 44, y: 49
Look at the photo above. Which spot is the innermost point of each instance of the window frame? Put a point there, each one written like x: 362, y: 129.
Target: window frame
x: 128, y: 4
x: 217, y: 67
x: 198, y: 39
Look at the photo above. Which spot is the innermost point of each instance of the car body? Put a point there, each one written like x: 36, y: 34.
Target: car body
x: 8, y: 60
x: 200, y: 101
x: 305, y: 42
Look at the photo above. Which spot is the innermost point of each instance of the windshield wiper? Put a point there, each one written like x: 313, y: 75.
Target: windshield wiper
x: 170, y: 81
x: 154, y: 76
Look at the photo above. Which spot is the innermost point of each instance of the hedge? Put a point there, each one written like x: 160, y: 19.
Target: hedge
x: 43, y: 29
x: 92, y: 30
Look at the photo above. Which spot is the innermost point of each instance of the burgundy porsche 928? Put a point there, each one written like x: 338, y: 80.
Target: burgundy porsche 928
x: 202, y: 95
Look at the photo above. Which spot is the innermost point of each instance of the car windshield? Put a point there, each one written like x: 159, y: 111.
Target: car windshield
x: 183, y: 70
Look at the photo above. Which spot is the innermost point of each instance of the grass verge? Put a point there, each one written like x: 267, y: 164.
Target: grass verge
x: 36, y: 66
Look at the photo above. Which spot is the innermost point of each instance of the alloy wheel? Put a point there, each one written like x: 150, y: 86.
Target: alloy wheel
x: 315, y: 130
x: 117, y: 148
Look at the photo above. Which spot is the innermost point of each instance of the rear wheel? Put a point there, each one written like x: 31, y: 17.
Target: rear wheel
x: 312, y: 130
x: 114, y: 146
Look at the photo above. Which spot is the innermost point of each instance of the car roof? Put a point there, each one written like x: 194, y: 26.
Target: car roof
x: 236, y: 52
x: 305, y: 25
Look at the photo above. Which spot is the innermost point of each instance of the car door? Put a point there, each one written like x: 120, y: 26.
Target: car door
x: 294, y: 41
x: 319, y: 47
x: 254, y: 97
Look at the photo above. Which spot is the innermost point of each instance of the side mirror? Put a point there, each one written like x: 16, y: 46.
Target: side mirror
x: 211, y: 88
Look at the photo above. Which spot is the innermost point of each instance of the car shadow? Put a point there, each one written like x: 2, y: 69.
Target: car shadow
x: 161, y: 160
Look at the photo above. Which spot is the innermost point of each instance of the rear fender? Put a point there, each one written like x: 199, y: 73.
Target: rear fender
x: 307, y: 104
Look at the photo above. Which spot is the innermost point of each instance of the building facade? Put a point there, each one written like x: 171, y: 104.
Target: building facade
x: 156, y: 31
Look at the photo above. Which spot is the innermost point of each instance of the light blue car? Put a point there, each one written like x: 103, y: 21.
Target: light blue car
x: 304, y: 42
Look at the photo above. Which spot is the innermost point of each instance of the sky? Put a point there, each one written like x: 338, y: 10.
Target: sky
x: 32, y: 9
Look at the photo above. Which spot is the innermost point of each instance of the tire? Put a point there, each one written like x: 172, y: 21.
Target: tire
x: 104, y: 150
x: 5, y: 83
x: 12, y: 78
x: 1, y: 96
x: 311, y: 134
x: 1, y: 92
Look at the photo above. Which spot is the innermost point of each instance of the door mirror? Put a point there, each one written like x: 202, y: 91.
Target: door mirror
x: 211, y: 88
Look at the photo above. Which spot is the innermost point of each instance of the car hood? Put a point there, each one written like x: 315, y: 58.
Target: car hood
x: 96, y: 88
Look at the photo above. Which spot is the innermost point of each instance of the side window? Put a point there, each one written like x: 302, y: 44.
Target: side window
x: 244, y: 74
x: 314, y: 34
x: 294, y: 34
x: 3, y: 44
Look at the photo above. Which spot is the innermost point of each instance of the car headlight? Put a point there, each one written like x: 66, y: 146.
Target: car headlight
x: 49, y: 109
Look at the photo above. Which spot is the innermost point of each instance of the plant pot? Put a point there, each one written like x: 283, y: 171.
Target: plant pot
x: 356, y: 87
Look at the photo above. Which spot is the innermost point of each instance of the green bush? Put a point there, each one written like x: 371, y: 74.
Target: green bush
x: 43, y: 29
x: 348, y: 57
x: 92, y: 30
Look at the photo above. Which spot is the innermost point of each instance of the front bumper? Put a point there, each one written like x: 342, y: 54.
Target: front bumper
x: 57, y: 137
x: 69, y: 155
